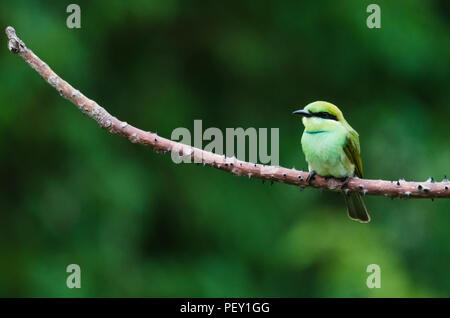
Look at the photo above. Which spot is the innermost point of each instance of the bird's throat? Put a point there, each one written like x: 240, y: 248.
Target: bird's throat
x: 314, y: 125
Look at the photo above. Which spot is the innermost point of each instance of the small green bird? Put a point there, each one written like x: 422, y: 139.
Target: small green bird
x: 331, y: 148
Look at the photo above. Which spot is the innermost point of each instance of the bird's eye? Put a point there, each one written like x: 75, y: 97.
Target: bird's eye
x: 325, y: 115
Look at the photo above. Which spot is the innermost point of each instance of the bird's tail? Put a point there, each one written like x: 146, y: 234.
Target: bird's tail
x: 356, y: 208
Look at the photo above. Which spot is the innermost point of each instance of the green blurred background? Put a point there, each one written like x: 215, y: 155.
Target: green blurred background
x: 139, y: 225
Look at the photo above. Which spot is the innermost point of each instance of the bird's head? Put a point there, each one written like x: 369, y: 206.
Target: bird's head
x: 318, y: 116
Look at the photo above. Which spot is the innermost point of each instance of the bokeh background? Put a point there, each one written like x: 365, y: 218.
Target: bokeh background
x: 139, y: 225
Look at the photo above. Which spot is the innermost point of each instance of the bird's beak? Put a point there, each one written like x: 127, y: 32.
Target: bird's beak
x: 302, y: 112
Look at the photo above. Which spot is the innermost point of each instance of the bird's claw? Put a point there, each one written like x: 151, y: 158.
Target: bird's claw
x: 345, y: 183
x: 310, y: 177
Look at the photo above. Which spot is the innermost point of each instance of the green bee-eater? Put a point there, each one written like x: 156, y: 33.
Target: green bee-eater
x: 331, y: 148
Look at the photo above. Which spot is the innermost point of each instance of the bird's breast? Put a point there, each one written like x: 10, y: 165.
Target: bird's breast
x: 325, y: 154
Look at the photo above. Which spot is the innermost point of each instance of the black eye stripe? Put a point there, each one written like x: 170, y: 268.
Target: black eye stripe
x: 324, y: 115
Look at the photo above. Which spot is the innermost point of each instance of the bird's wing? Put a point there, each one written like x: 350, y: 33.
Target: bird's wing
x: 351, y: 149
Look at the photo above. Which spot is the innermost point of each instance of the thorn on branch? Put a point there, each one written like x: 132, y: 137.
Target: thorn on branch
x: 134, y: 138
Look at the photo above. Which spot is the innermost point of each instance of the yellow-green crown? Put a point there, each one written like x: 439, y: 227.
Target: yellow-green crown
x: 320, y: 106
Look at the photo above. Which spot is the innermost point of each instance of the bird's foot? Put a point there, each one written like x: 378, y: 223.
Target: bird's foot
x: 310, y: 177
x: 345, y: 182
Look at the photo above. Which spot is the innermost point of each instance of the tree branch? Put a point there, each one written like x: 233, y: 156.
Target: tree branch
x: 401, y: 188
